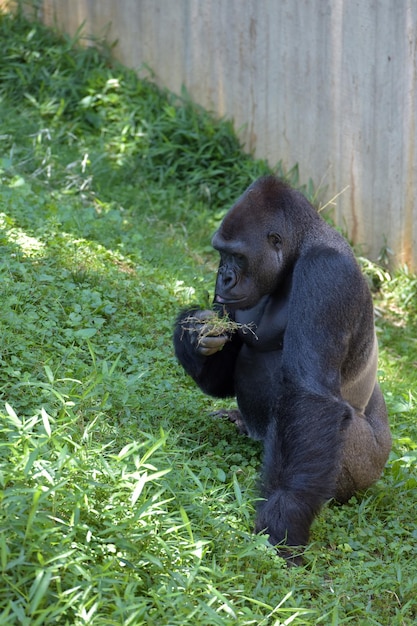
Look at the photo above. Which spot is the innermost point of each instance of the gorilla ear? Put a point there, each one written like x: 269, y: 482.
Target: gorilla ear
x: 275, y: 240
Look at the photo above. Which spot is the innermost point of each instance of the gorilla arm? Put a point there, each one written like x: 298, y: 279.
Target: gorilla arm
x: 302, y: 452
x: 209, y: 359
x: 330, y: 310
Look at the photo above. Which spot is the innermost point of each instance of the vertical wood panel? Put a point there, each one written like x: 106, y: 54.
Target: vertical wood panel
x: 328, y: 84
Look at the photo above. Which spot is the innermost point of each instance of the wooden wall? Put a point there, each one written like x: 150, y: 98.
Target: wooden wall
x: 328, y: 84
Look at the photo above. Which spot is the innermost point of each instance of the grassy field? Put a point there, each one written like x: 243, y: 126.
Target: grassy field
x: 123, y: 502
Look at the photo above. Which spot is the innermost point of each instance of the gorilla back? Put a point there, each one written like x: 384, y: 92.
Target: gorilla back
x: 305, y: 379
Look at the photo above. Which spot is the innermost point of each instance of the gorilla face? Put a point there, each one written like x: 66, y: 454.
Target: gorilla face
x: 252, y: 247
x: 247, y: 273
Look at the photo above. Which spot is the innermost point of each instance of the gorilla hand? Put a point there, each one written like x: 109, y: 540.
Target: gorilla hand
x: 208, y: 337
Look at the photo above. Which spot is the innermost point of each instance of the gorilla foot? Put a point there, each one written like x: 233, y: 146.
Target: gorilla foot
x: 292, y: 559
x: 233, y: 415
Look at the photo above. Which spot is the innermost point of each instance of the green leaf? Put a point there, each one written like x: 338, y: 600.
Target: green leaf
x: 85, y: 333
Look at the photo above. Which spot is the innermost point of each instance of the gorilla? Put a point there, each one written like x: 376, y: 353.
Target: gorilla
x: 305, y: 377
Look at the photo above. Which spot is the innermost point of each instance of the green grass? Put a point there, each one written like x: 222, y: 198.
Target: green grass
x: 122, y: 500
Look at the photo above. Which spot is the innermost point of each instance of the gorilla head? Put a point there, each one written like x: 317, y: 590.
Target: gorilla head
x: 259, y: 241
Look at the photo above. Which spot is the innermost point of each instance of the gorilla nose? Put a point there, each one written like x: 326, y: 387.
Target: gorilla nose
x: 228, y: 278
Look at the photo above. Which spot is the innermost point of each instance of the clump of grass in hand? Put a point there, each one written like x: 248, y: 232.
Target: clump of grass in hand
x: 215, y: 326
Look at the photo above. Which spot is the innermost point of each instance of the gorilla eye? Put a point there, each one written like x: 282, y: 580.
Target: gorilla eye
x: 275, y: 239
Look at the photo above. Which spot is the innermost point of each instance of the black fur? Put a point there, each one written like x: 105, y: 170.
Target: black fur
x: 304, y: 379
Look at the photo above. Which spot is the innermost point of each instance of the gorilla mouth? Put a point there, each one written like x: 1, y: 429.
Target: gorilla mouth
x: 227, y: 301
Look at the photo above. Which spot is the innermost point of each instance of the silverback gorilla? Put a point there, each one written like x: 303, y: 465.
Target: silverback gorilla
x: 305, y: 379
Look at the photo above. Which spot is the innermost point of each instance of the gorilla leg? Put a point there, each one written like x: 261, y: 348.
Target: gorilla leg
x: 366, y: 446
